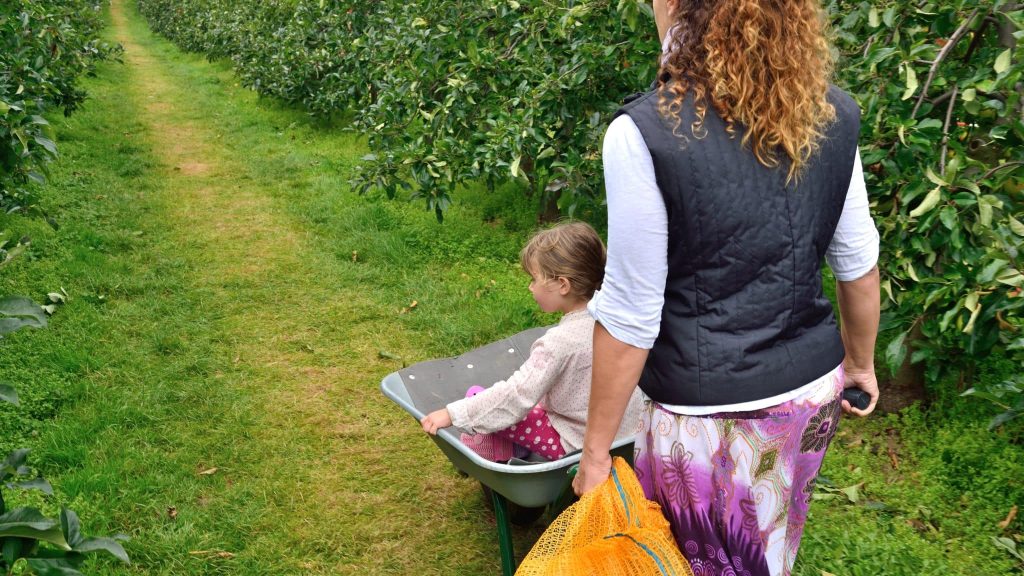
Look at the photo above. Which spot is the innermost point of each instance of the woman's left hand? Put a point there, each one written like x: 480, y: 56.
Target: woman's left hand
x: 592, y: 472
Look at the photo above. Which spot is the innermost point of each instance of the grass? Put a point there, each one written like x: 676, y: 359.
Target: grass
x: 233, y: 306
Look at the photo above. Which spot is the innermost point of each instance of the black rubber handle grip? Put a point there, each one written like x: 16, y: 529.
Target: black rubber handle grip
x: 857, y: 398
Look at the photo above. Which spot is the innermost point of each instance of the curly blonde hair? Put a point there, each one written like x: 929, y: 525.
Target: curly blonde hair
x: 764, y: 64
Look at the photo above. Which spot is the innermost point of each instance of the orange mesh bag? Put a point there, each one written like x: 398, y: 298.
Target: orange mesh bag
x: 611, y: 531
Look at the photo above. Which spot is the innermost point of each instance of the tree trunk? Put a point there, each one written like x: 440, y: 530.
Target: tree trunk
x: 906, y: 386
x: 549, y: 209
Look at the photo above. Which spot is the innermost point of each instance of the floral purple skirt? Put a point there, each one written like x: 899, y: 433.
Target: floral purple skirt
x: 736, y: 486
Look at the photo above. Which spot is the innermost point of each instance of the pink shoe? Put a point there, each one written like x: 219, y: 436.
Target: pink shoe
x: 489, y: 446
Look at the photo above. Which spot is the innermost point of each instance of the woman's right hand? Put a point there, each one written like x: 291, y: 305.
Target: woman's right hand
x: 865, y: 380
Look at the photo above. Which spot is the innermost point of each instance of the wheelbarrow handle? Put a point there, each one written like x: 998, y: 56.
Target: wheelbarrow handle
x: 567, y: 496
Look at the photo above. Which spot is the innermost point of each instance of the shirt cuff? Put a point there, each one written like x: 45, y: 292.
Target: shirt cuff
x: 620, y: 328
x: 457, y: 412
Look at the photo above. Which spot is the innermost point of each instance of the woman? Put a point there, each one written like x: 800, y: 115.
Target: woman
x: 727, y: 185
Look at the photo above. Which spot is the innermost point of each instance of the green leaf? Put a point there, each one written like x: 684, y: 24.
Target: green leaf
x: 30, y: 523
x: 1002, y: 61
x: 989, y: 271
x: 1016, y: 226
x: 8, y: 394
x: 71, y: 527
x: 36, y: 484
x: 928, y: 203
x: 12, y: 549
x: 911, y: 82
x: 971, y: 302
x: 948, y: 217
x: 985, y: 205
x: 46, y: 143
x: 969, y: 95
x: 873, y: 17
x: 896, y: 352
x: 934, y: 177
x: 52, y: 567
x: 17, y: 312
x: 1011, y: 277
x: 4, y: 108
x: 103, y: 544
x: 14, y: 464
x: 889, y: 16
x: 514, y: 168
x: 975, y: 311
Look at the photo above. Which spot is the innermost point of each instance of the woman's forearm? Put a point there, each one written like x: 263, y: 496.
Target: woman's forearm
x: 859, y: 302
x: 616, y: 371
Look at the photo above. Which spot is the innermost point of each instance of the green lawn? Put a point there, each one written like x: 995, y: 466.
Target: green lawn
x: 211, y: 386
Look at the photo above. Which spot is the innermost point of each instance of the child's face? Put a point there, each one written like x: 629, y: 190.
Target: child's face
x: 550, y: 294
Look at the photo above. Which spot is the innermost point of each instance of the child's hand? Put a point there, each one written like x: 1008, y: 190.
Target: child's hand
x: 436, y: 420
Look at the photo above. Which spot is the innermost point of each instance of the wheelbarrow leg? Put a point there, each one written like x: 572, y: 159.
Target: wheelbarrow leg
x: 508, y: 559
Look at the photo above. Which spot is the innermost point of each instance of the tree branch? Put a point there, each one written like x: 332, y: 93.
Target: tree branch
x: 942, y: 98
x: 995, y: 169
x: 979, y: 33
x: 945, y: 132
x: 940, y: 57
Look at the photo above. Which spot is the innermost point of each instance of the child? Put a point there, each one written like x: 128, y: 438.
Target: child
x: 543, y: 406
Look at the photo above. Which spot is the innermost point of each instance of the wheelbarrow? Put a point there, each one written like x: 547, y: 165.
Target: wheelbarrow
x: 519, y: 487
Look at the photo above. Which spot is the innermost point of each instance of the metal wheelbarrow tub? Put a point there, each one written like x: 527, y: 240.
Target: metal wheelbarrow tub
x: 427, y: 386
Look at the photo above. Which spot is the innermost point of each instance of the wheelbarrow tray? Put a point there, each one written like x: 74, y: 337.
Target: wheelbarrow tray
x: 427, y: 386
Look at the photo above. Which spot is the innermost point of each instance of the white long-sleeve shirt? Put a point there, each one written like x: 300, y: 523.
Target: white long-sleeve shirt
x: 556, y: 376
x: 632, y: 295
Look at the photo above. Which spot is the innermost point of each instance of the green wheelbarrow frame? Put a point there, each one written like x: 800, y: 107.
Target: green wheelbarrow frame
x: 427, y: 386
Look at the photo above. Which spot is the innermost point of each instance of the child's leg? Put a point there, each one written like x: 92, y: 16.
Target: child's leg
x: 488, y: 446
x: 535, y: 433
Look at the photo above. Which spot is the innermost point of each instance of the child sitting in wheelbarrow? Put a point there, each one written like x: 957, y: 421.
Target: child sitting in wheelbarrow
x: 542, y: 408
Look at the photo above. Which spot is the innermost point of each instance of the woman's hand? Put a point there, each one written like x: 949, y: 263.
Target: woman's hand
x: 593, y: 471
x: 865, y: 380
x: 436, y: 420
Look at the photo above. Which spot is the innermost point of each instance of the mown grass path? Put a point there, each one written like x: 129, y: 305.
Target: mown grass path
x: 227, y: 414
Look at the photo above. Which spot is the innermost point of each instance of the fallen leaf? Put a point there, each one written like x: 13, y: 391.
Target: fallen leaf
x: 355, y: 255
x: 917, y: 525
x: 892, y: 458
x: 172, y: 512
x: 209, y: 471
x: 388, y: 355
x: 891, y: 448
x: 1009, y: 518
x: 852, y: 492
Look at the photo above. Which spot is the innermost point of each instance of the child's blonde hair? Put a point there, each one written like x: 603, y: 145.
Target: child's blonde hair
x: 573, y: 251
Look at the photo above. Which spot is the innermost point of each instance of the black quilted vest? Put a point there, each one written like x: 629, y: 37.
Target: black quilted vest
x: 744, y: 317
